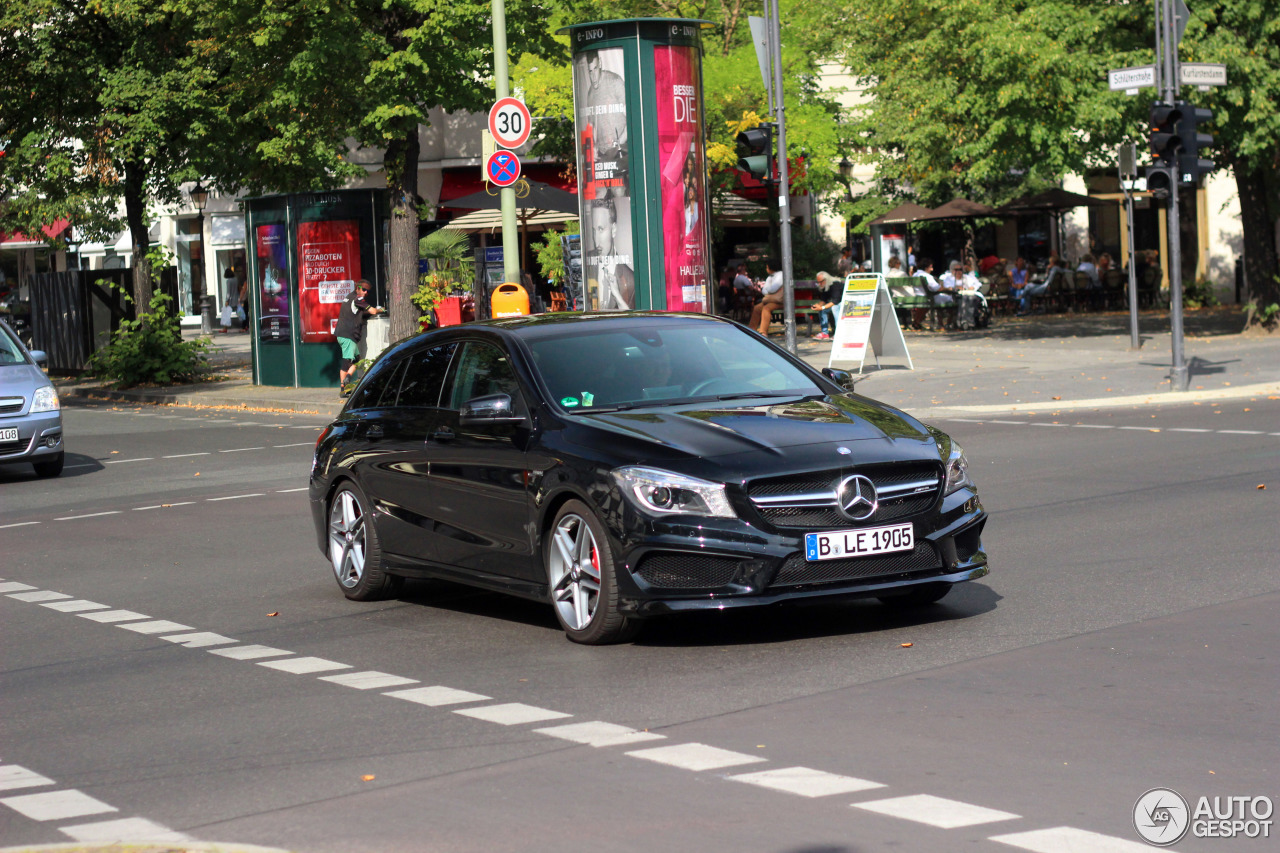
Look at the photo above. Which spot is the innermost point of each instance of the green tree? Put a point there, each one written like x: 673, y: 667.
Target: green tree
x: 98, y: 104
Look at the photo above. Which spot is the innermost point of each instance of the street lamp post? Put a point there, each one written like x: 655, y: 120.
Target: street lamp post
x: 199, y: 196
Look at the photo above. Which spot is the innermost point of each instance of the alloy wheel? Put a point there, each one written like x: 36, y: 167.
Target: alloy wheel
x: 347, y: 538
x: 575, y: 572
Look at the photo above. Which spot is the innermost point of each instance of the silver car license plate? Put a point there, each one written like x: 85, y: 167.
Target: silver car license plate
x: 865, y: 542
x: 8, y: 434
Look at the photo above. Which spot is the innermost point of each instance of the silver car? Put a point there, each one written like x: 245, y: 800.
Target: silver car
x: 30, y: 412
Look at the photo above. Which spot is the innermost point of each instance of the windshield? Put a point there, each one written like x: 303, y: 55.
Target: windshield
x: 625, y: 365
x: 10, y: 352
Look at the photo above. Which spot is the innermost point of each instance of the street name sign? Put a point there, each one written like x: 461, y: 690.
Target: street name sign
x: 1203, y: 74
x: 510, y: 123
x: 502, y: 168
x: 1131, y: 79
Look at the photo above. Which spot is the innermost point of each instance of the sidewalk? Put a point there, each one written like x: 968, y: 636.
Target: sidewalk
x: 1042, y: 364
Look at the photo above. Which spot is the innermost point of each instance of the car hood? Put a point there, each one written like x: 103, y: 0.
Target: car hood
x: 727, y: 429
x: 21, y: 380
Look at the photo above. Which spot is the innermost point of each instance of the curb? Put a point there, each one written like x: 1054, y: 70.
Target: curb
x: 208, y: 401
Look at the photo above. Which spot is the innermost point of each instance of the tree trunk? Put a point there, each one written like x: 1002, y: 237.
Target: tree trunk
x: 135, y: 207
x: 1258, y: 213
x: 401, y: 167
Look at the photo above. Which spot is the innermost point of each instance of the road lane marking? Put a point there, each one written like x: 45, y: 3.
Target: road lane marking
x: 199, y: 640
x: 57, y: 805
x: 14, y: 586
x: 236, y: 497
x: 158, y: 626
x: 1187, y: 429
x: 1044, y: 423
x: 512, y: 714
x: 695, y: 756
x: 1241, y: 432
x: 39, y: 596
x: 90, y: 515
x: 597, y: 733
x: 1139, y: 429
x: 1093, y: 426
x: 121, y: 461
x: 18, y: 524
x: 369, y: 680
x: 286, y: 491
x: 437, y: 696
x: 113, y: 616
x: 1066, y: 839
x: 297, y: 444
x: 935, y: 811
x: 75, y: 606
x: 14, y: 776
x: 184, y: 455
x: 304, y: 665
x: 162, y: 506
x: 249, y: 652
x: 241, y: 449
x: 806, y: 781
x: 1014, y: 423
x: 129, y: 829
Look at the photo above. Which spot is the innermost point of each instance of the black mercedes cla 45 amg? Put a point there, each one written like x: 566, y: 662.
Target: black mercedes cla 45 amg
x: 621, y: 466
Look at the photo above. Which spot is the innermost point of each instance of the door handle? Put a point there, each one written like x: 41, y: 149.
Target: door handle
x: 442, y: 434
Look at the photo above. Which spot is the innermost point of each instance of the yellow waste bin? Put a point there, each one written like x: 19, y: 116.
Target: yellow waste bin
x: 510, y: 300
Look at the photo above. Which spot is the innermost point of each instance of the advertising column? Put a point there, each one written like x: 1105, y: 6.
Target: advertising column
x: 637, y: 88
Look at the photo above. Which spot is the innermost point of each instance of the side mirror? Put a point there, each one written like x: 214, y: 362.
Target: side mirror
x: 843, y: 378
x: 490, y: 409
x: 39, y: 357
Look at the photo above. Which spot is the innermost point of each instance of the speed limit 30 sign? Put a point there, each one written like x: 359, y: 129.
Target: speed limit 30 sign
x: 509, y: 122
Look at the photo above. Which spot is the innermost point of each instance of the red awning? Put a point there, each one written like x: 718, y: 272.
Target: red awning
x: 52, y: 231
x: 466, y: 180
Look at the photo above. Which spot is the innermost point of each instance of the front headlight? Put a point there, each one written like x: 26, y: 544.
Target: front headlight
x: 659, y: 492
x: 958, y: 470
x: 45, y: 400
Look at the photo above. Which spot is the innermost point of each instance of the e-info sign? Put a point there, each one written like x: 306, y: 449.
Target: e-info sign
x: 865, y: 319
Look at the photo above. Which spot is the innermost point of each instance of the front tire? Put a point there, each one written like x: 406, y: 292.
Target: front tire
x: 354, y: 550
x: 583, y: 580
x: 49, y: 467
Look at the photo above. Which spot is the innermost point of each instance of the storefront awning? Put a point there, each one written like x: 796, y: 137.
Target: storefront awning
x: 18, y: 240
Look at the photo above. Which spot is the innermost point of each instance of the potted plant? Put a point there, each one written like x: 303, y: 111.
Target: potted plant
x: 445, y: 251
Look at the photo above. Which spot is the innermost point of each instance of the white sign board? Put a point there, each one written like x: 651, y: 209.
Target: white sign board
x: 510, y: 123
x: 1137, y: 77
x: 1202, y: 74
x: 865, y: 319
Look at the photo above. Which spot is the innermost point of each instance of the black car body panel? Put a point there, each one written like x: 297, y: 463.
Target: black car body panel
x: 473, y: 502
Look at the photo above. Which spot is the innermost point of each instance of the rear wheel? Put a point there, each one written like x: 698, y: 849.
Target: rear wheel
x: 918, y: 597
x: 354, y: 550
x: 49, y: 467
x: 582, y: 578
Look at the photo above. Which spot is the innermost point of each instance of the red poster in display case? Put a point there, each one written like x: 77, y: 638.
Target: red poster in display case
x: 680, y: 156
x: 328, y: 267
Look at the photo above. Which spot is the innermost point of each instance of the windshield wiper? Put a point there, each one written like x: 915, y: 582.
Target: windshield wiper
x: 758, y: 394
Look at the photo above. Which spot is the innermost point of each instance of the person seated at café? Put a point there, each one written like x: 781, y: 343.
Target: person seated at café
x: 830, y: 293
x: 771, y: 292
x: 895, y: 268
x: 1018, y: 278
x: 924, y: 270
x: 957, y: 279
x: 1056, y: 271
x: 1090, y: 270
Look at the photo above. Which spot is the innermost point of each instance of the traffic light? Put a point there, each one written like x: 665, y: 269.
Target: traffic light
x: 1190, y: 163
x: 755, y: 152
x: 1161, y: 180
x: 1164, y: 140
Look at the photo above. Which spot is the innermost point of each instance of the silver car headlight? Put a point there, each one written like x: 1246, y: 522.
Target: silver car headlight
x: 958, y: 470
x: 45, y: 400
x: 659, y: 492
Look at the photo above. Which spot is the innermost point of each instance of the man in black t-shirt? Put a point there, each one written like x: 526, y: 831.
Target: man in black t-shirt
x: 352, y: 316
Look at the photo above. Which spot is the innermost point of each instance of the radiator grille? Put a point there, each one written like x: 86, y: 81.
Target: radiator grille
x: 813, y: 496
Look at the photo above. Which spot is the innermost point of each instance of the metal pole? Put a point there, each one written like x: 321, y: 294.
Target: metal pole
x: 768, y: 30
x: 507, y: 195
x: 1129, y: 171
x: 1178, y: 371
x: 784, y: 189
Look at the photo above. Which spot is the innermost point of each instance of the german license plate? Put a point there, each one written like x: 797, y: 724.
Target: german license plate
x: 9, y: 434
x: 842, y: 544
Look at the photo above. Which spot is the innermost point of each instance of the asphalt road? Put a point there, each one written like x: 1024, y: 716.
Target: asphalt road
x: 1125, y: 640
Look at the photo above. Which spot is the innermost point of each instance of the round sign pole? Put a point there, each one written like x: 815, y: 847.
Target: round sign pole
x: 510, y: 237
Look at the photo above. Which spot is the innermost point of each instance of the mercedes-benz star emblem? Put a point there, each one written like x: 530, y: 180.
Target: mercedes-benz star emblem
x: 856, y: 497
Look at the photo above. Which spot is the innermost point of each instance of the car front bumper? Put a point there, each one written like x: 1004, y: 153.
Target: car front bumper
x: 39, y: 437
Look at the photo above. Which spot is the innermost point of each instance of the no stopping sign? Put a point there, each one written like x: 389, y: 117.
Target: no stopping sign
x: 509, y: 122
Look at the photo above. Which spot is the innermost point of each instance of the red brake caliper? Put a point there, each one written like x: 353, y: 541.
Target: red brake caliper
x: 595, y: 560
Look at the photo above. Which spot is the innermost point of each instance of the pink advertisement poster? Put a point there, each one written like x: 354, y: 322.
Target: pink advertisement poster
x: 328, y: 266
x: 683, y: 177
x: 273, y: 282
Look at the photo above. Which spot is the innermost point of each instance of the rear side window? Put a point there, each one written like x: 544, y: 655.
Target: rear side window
x: 424, y: 375
x: 380, y: 388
